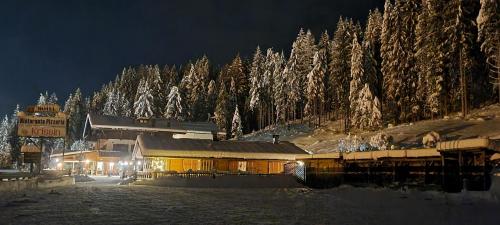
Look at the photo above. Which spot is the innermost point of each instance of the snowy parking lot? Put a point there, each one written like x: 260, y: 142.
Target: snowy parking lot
x: 104, y: 202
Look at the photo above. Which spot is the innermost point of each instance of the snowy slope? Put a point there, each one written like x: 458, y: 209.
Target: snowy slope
x: 483, y: 122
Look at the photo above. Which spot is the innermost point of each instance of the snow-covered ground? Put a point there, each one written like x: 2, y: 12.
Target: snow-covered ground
x: 484, y: 122
x: 101, y: 203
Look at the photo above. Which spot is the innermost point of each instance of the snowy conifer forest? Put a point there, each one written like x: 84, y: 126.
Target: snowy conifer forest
x: 411, y: 61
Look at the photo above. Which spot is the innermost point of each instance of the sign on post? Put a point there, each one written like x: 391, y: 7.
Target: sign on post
x: 42, y: 126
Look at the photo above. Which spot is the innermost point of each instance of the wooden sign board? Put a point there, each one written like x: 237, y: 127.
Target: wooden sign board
x: 32, y: 157
x: 45, y: 108
x: 30, y: 148
x: 38, y: 126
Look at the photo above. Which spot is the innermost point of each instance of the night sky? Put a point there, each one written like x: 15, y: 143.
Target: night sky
x: 61, y: 45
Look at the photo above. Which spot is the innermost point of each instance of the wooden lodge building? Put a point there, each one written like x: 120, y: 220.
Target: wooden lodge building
x: 159, y: 155
x: 112, y: 140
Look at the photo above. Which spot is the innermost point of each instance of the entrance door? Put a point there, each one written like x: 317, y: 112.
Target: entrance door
x: 100, y: 168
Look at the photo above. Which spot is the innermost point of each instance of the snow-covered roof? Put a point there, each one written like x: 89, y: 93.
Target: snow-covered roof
x: 154, y: 124
x: 154, y: 146
x: 374, y: 155
x: 466, y: 144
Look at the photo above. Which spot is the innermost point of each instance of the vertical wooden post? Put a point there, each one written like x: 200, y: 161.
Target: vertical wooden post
x: 443, y: 172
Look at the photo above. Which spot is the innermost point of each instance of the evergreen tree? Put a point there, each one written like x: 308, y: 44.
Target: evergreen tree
x: 316, y: 88
x: 236, y: 127
x: 367, y: 113
x: 236, y: 72
x: 143, y: 105
x: 398, y: 58
x: 52, y: 99
x: 371, y: 49
x: 357, y: 73
x: 488, y: 23
x: 196, y: 85
x: 340, y: 69
x: 76, y: 111
x: 293, y: 80
x: 43, y: 99
x: 15, y: 141
x: 123, y: 105
x: 429, y: 57
x: 174, y: 108
x: 156, y: 85
x: 280, y: 89
x: 221, y: 110
x: 5, y: 147
x: 111, y: 105
x: 256, y: 74
x: 211, y: 96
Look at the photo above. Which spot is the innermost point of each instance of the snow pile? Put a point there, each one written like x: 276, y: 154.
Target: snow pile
x: 381, y: 141
x: 353, y: 143
x: 431, y: 139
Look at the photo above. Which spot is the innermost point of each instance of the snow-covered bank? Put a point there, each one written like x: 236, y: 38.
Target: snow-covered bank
x: 484, y: 122
x: 139, y: 204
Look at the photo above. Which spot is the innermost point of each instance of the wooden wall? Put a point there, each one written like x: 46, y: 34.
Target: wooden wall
x: 182, y: 165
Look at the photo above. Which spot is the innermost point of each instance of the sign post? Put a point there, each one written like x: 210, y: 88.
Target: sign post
x: 41, y: 121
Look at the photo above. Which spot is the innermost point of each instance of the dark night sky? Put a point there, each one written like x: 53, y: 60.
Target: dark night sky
x: 60, y: 45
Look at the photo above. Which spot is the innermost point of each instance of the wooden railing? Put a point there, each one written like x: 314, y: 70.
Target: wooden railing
x: 15, y: 176
x: 144, y: 175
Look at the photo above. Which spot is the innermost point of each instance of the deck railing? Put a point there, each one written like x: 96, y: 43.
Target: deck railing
x: 144, y: 175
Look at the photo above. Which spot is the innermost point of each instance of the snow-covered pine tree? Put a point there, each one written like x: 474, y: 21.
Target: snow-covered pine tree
x: 236, y: 126
x: 398, y: 59
x: 357, y: 73
x: 376, y: 120
x: 368, y: 114
x: 123, y: 105
x: 157, y: 90
x: 15, y: 141
x: 236, y: 72
x: 5, y: 147
x: 256, y: 79
x: 460, y: 30
x: 76, y: 111
x: 80, y: 145
x: 211, y: 96
x: 280, y: 88
x: 488, y: 23
x: 293, y: 83
x: 256, y: 86
x: 174, y: 108
x: 111, y: 105
x: 371, y: 49
x: 324, y: 47
x: 199, y: 77
x: 340, y: 69
x: 429, y: 61
x: 43, y: 99
x: 305, y: 48
x: 52, y: 99
x: 315, y: 86
x: 144, y: 100
x: 221, y: 109
x: 267, y: 83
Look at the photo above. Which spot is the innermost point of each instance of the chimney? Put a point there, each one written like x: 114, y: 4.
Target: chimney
x: 276, y: 139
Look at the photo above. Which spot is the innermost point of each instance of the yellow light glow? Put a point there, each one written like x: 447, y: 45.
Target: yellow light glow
x: 87, y: 161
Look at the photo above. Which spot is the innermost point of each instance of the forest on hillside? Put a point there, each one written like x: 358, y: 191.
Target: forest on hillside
x: 414, y: 60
